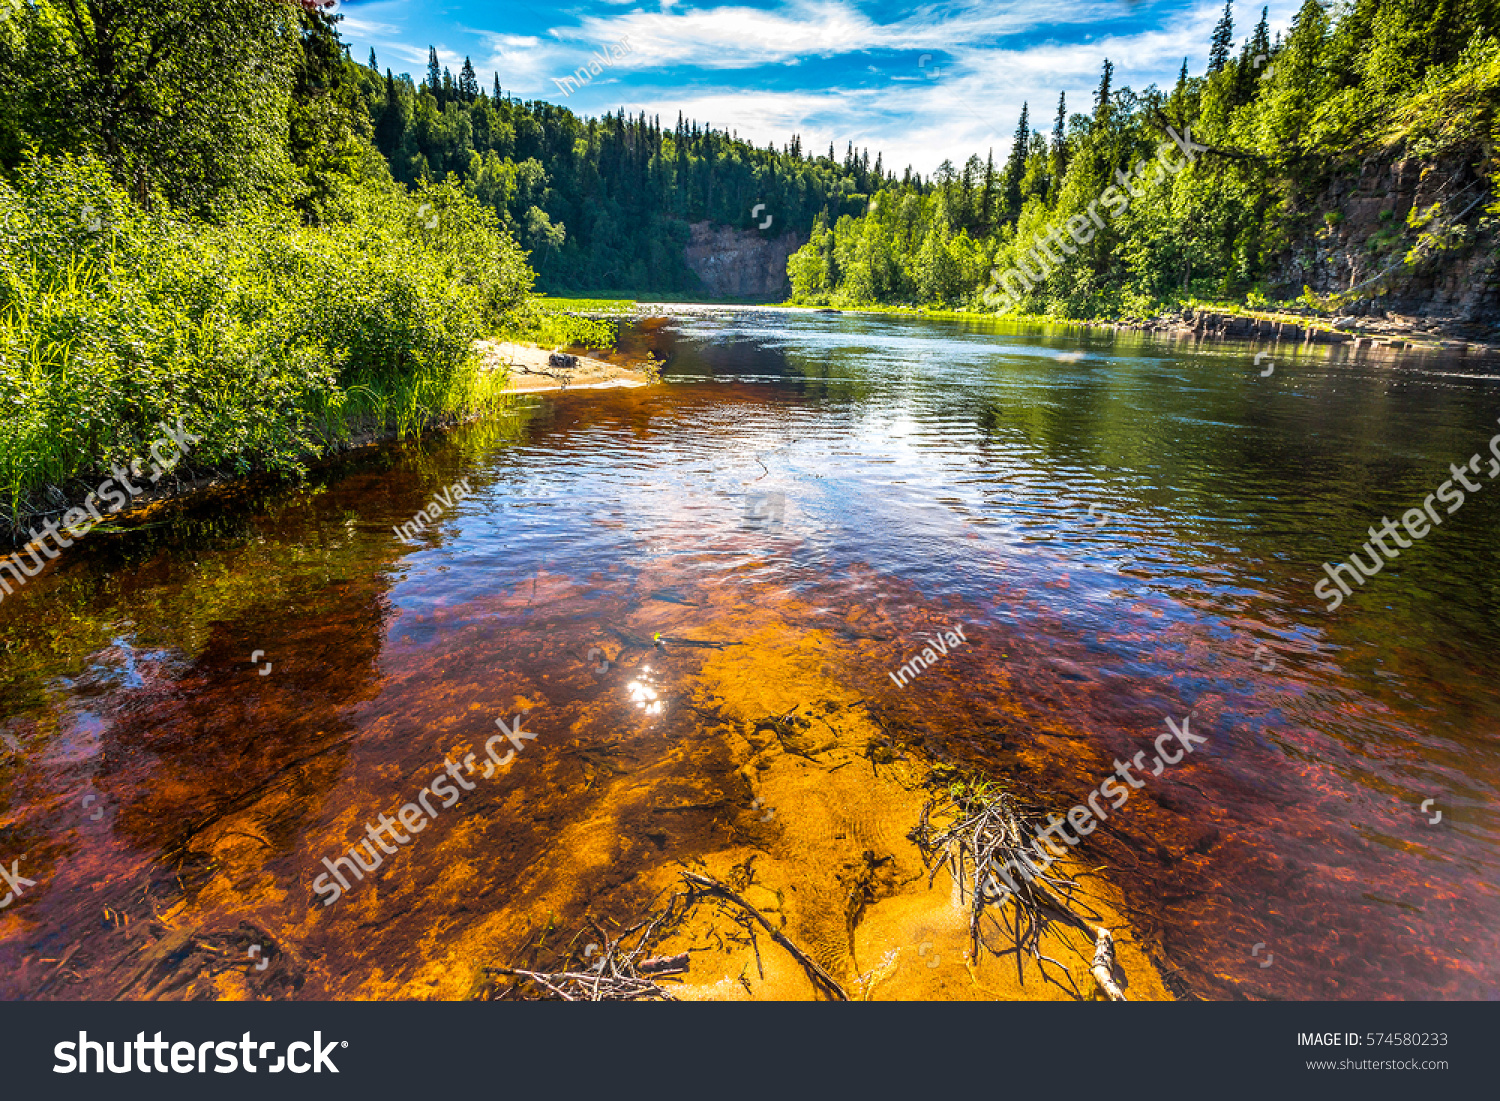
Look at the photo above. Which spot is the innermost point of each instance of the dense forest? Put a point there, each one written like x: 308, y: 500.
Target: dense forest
x: 1283, y: 119
x: 201, y: 230
x: 601, y: 203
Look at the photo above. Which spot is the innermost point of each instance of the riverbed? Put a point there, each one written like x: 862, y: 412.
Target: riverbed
x: 699, y: 596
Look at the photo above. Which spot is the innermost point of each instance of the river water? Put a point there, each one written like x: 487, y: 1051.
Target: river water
x: 1128, y: 529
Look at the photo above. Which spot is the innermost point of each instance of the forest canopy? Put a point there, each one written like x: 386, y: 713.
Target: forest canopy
x: 1285, y: 120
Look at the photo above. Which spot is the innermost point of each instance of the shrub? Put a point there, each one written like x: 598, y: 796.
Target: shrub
x: 271, y: 340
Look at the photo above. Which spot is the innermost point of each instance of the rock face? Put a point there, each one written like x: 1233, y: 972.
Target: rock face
x: 1369, y: 233
x: 741, y: 263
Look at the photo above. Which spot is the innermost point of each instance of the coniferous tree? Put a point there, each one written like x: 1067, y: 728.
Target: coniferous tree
x: 468, y: 82
x: 374, y: 68
x: 1222, y: 41
x: 1260, y: 41
x: 1057, y: 162
x: 1015, y: 168
x: 434, y: 74
x: 1101, y: 95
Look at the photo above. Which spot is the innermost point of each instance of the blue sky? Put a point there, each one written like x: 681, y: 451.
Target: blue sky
x: 919, y: 83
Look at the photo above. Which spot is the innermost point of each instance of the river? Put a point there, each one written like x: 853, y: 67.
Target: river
x: 1129, y: 530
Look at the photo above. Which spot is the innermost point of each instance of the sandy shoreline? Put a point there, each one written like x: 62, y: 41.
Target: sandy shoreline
x: 531, y: 372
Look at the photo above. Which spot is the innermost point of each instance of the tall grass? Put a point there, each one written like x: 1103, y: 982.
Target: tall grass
x: 272, y: 340
x: 566, y: 323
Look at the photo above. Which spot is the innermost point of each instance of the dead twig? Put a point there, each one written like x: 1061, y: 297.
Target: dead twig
x: 707, y: 885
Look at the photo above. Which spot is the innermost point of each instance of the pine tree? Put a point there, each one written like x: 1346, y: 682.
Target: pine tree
x: 468, y: 82
x: 1260, y: 41
x: 374, y: 68
x: 391, y: 125
x: 1058, y: 162
x: 1015, y: 168
x: 434, y: 74
x: 497, y: 88
x: 449, y: 89
x: 1222, y: 40
x: 1101, y: 96
x: 987, y: 200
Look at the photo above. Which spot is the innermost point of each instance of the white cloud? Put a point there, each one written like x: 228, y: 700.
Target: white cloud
x: 964, y: 99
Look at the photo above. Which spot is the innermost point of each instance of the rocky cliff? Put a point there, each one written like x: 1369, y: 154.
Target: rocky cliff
x: 741, y: 263
x: 1358, y: 230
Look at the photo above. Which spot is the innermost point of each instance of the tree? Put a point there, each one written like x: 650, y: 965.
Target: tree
x: 468, y: 82
x: 1101, y: 94
x: 374, y: 68
x: 189, y: 99
x: 434, y: 74
x: 1222, y: 40
x: 1016, y: 166
x: 1058, y: 161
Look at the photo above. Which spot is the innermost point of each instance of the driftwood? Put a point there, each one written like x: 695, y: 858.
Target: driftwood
x: 1103, y: 968
x: 987, y: 831
x: 664, y: 965
x: 706, y: 885
x: 589, y: 986
x: 607, y: 970
x: 563, y: 360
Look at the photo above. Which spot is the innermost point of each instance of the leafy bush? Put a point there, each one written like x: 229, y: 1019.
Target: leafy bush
x: 270, y: 339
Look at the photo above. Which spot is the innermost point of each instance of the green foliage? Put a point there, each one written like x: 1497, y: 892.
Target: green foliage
x: 199, y: 227
x: 188, y: 100
x: 606, y: 202
x: 270, y: 339
x: 562, y: 324
x: 1388, y: 79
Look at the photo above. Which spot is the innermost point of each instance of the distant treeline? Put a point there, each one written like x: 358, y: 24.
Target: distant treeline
x: 602, y: 203
x: 1283, y: 118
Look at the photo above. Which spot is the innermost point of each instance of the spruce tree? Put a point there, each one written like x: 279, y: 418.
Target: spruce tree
x: 1260, y: 41
x: 1059, y: 159
x: 1101, y: 95
x: 1015, y: 168
x: 1223, y: 39
x: 468, y: 82
x: 434, y: 74
x: 374, y: 68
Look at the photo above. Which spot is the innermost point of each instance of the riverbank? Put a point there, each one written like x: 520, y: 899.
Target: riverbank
x: 525, y: 369
x: 1393, y: 332
x: 534, y: 370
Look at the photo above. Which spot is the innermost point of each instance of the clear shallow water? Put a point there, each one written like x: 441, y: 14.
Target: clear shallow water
x: 1129, y: 529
